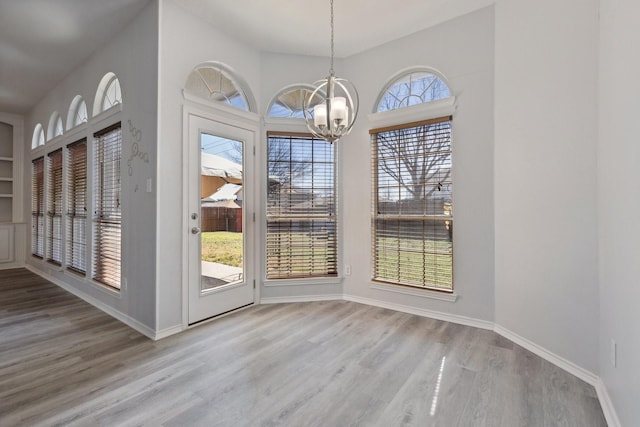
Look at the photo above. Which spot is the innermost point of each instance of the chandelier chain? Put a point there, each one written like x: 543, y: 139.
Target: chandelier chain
x: 331, y: 69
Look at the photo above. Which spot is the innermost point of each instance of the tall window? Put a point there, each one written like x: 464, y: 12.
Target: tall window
x: 37, y: 207
x: 54, y: 207
x: 301, y: 207
x: 412, y: 212
x: 76, y: 206
x: 107, y: 216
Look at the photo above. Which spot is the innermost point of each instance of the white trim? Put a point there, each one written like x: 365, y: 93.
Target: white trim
x: 272, y: 283
x: 10, y: 245
x: 453, y: 318
x: 301, y: 298
x: 416, y: 292
x: 211, y: 107
x: 118, y: 315
x: 415, y: 113
x: 285, y: 124
x: 607, y: 405
x: 547, y: 355
x: 166, y: 332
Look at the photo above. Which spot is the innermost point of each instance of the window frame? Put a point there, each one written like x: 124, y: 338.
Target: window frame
x: 404, y: 219
x: 106, y: 271
x: 311, y: 278
x: 55, y: 207
x: 38, y: 207
x: 402, y: 116
x: 74, y: 187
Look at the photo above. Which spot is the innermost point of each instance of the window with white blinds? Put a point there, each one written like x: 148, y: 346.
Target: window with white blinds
x: 37, y: 207
x: 54, y: 207
x: 76, y: 206
x: 301, y: 207
x: 412, y: 205
x: 107, y: 218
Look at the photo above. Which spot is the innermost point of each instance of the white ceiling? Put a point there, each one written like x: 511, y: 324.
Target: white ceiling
x: 41, y: 41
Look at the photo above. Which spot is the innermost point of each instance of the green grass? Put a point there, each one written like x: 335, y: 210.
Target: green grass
x: 223, y: 247
x: 402, y: 261
x: 398, y: 261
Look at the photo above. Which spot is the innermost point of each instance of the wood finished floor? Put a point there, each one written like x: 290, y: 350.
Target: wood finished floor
x: 64, y: 362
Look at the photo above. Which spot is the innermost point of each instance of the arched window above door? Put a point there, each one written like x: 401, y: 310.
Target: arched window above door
x: 218, y: 83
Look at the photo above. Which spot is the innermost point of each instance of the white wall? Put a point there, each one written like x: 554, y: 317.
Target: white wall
x: 132, y: 56
x: 619, y: 204
x: 462, y: 50
x: 545, y: 181
x: 186, y: 41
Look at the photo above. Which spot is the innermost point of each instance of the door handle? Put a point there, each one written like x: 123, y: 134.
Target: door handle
x: 195, y: 230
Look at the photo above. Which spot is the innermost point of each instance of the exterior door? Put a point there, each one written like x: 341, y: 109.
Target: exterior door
x: 219, y: 229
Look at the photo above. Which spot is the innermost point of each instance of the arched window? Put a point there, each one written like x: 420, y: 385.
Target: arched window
x: 108, y: 94
x: 38, y: 136
x: 414, y: 87
x: 77, y: 112
x: 216, y: 82
x: 289, y: 102
x: 412, y: 218
x: 55, y: 126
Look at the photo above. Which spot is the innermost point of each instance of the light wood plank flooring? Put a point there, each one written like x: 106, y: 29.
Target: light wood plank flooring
x: 64, y: 362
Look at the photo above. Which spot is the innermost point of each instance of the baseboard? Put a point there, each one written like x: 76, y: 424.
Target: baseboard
x: 166, y: 332
x: 585, y: 375
x: 11, y: 265
x: 453, y: 318
x: 607, y: 405
x: 127, y: 320
x: 301, y: 298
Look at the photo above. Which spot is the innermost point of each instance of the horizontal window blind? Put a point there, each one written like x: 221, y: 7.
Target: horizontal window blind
x: 37, y: 207
x: 301, y: 207
x: 77, y: 206
x: 107, y: 218
x: 412, y: 212
x: 54, y: 207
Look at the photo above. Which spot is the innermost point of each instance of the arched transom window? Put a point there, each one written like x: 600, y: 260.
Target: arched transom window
x: 289, y: 103
x: 55, y: 126
x: 108, y: 94
x: 77, y: 112
x: 38, y: 136
x: 214, y: 82
x: 412, y: 88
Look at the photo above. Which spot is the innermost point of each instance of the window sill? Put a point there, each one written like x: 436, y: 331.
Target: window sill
x: 302, y: 282
x: 422, y: 293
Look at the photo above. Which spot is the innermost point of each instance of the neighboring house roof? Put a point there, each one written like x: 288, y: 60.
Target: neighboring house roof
x: 212, y: 165
x: 226, y: 192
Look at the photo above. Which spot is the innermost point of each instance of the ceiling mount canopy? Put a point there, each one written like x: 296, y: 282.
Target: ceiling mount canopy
x: 336, y: 111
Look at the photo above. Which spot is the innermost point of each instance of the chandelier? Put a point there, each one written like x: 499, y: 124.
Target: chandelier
x: 335, y: 104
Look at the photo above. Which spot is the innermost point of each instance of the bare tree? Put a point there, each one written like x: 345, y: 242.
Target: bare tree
x: 417, y: 158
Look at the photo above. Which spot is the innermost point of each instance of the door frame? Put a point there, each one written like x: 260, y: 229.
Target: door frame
x: 233, y: 117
